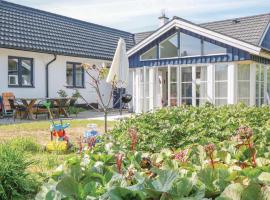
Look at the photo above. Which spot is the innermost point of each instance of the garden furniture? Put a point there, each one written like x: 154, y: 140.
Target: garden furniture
x: 7, y: 110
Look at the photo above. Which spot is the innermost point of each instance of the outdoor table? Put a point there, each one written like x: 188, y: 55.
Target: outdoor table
x: 61, y: 103
x: 29, y: 105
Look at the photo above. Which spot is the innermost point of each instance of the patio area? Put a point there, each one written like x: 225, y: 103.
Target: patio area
x: 85, y: 115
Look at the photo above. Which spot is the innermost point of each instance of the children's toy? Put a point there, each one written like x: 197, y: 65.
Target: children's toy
x: 59, y: 139
x: 89, y: 137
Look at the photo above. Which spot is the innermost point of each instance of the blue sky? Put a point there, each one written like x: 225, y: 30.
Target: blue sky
x: 141, y: 15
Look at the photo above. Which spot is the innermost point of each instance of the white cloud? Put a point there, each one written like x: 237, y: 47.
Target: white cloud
x: 129, y: 14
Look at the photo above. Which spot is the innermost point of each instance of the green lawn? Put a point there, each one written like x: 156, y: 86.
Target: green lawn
x: 38, y: 133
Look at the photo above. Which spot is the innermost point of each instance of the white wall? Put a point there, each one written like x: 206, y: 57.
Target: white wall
x: 57, y: 76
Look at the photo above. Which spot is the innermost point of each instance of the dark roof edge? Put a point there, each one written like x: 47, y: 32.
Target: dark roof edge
x: 54, y: 52
x: 58, y: 15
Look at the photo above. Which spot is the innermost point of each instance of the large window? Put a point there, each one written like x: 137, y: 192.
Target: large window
x: 75, y: 75
x: 186, y: 85
x: 150, y: 54
x: 221, y: 84
x: 259, y: 84
x: 201, y: 85
x: 189, y: 45
x: 169, y: 47
x: 20, y: 72
x: 243, y: 84
x: 210, y: 48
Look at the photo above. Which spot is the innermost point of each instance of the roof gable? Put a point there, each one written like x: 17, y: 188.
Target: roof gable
x: 35, y: 30
x: 184, y: 24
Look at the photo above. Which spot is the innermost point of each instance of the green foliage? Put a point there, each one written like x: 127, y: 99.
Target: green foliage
x: 15, y: 181
x: 193, y: 169
x: 181, y: 126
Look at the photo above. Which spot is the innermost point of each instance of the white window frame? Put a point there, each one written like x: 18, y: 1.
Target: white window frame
x: 238, y: 99
x: 220, y: 81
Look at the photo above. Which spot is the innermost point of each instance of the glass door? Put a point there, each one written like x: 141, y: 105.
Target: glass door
x: 186, y: 85
x: 173, y: 86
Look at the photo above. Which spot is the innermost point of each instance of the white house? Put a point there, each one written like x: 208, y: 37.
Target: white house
x: 41, y: 52
x: 223, y: 62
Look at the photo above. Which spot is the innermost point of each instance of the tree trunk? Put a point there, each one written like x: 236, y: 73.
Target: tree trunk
x: 105, y: 121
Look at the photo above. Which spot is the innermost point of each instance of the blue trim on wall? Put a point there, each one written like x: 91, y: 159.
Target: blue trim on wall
x: 233, y: 54
x: 266, y: 40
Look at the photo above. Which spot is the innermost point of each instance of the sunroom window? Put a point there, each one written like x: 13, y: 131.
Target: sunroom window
x: 189, y: 45
x: 150, y: 54
x: 201, y: 85
x: 169, y: 47
x: 221, y: 84
x: 186, y: 85
x: 243, y: 83
x: 210, y: 48
x: 268, y: 85
x: 259, y: 84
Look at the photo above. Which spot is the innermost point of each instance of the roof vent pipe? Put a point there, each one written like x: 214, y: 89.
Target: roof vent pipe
x: 163, y: 19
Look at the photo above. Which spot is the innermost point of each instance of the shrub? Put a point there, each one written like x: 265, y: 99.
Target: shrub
x: 15, y: 181
x: 180, y: 126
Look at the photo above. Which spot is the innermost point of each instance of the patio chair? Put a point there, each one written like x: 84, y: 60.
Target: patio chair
x: 17, y: 108
x: 7, y: 110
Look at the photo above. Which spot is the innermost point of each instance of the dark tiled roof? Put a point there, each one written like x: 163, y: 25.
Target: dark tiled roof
x: 140, y: 36
x: 35, y: 30
x: 248, y: 29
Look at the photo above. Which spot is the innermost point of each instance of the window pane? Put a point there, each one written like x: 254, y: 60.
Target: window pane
x: 186, y: 74
x: 173, y: 90
x: 26, y: 72
x: 243, y: 89
x: 189, y: 46
x: 173, y: 74
x: 201, y: 90
x: 201, y: 73
x: 186, y: 89
x: 69, y: 74
x: 243, y: 72
x: 79, y: 75
x: 221, y: 89
x: 168, y: 48
x: 210, y: 48
x: 150, y: 54
x: 13, y: 71
x: 221, y: 72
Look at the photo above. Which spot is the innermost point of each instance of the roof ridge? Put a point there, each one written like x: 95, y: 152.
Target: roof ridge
x: 235, y: 18
x: 61, y: 16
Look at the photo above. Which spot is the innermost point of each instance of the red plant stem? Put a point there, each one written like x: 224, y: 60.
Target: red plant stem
x: 253, y: 153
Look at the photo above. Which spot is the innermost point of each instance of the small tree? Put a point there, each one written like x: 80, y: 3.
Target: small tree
x: 98, y: 75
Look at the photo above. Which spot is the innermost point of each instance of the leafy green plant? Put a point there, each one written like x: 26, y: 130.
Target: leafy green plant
x: 184, y: 125
x: 15, y: 181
